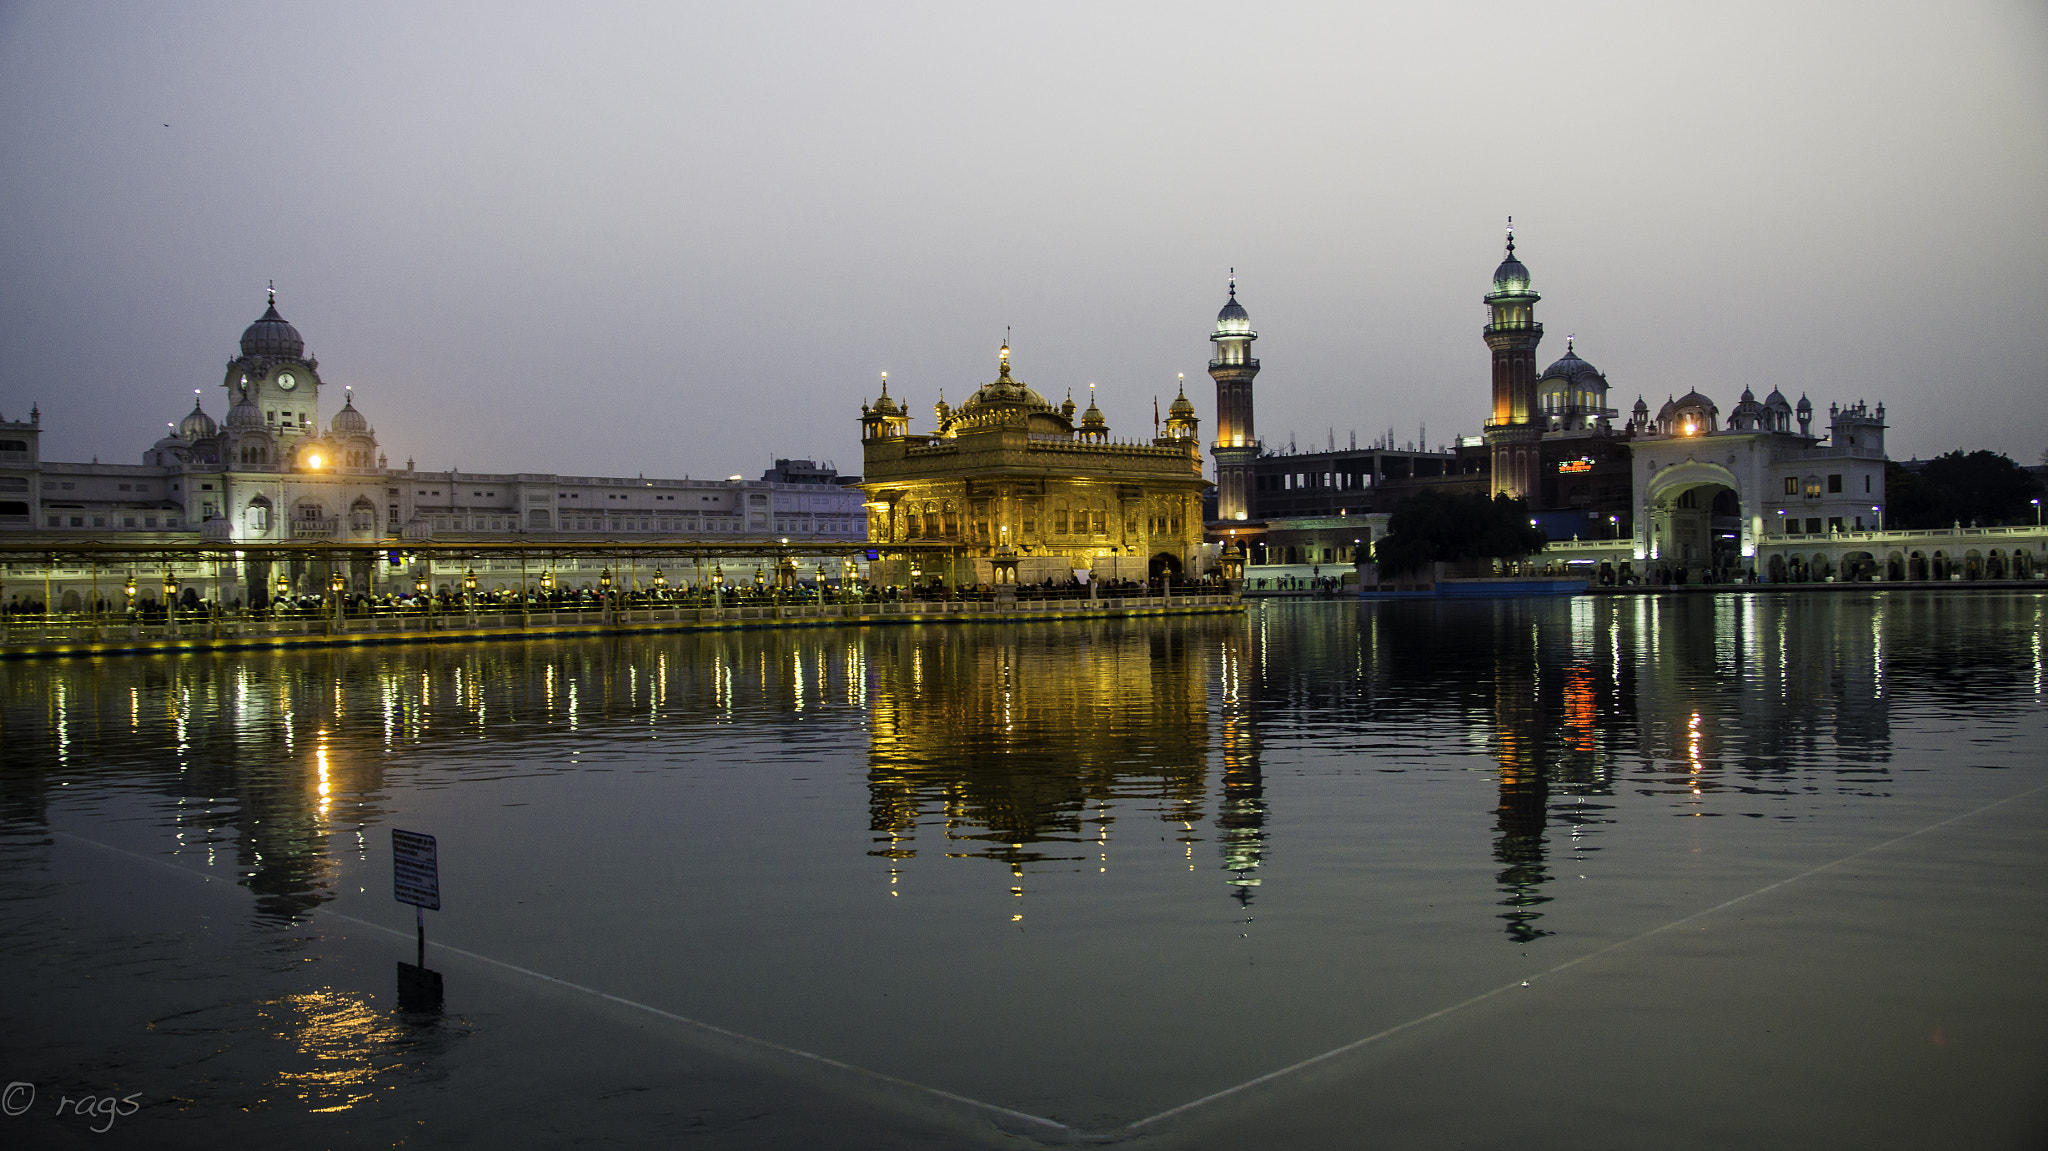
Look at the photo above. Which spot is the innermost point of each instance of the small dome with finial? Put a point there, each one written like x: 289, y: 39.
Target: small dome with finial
x: 1092, y: 419
x: 348, y: 421
x: 1233, y: 320
x: 272, y: 337
x: 245, y: 413
x: 1570, y: 367
x: 1512, y: 277
x: 197, y: 425
x: 1182, y: 407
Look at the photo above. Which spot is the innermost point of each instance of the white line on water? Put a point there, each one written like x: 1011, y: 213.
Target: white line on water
x: 1054, y: 1126
x: 765, y: 1044
x: 1483, y: 996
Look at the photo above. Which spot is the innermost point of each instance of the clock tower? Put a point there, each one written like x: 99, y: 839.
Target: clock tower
x: 276, y: 377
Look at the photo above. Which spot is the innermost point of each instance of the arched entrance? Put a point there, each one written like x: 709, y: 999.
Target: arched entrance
x: 1164, y: 563
x: 1697, y: 522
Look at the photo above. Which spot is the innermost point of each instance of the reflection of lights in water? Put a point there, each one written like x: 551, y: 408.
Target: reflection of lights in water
x: 1693, y: 748
x: 326, y: 797
x: 61, y: 697
x: 796, y: 677
x: 347, y: 1050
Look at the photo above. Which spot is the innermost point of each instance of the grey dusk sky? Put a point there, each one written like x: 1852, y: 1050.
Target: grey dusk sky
x: 674, y: 238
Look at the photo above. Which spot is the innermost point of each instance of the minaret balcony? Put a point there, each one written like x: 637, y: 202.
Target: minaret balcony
x: 1252, y: 365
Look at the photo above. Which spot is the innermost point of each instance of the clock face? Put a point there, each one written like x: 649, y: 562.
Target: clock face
x: 287, y: 381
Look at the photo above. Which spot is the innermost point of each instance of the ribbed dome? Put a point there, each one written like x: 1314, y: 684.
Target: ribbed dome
x: 348, y: 420
x: 271, y: 336
x: 197, y: 425
x: 1004, y: 391
x: 1092, y: 418
x: 1182, y: 407
x: 245, y: 414
x: 1571, y: 367
x: 1511, y: 276
x: 1233, y: 320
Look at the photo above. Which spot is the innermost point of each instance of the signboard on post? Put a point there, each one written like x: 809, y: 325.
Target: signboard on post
x: 415, y: 869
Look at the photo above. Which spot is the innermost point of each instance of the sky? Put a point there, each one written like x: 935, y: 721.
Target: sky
x: 685, y: 239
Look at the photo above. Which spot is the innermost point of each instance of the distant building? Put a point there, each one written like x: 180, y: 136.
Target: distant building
x: 274, y: 471
x: 1699, y: 497
x: 1009, y: 475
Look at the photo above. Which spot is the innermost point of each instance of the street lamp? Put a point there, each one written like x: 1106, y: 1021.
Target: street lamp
x: 1614, y: 527
x: 283, y: 585
x: 128, y: 589
x: 170, y: 589
x: 604, y: 581
x: 1880, y: 515
x: 660, y: 582
x: 2037, y: 512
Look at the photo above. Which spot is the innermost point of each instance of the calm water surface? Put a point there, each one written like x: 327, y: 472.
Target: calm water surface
x: 1085, y: 871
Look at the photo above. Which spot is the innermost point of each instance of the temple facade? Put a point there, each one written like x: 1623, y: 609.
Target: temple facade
x: 1009, y: 482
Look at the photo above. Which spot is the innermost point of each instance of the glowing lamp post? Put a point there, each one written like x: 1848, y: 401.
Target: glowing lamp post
x: 337, y: 585
x: 128, y: 589
x: 171, y: 601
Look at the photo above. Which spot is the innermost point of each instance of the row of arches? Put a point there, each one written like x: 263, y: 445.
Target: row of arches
x: 1937, y: 565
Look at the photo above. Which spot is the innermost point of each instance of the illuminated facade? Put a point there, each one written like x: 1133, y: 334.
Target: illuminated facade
x: 1008, y: 476
x: 275, y: 471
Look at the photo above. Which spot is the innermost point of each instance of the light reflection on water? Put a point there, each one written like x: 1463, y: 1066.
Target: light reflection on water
x: 1140, y: 786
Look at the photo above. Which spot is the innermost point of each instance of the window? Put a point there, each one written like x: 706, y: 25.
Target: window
x: 1866, y: 484
x: 125, y: 487
x: 1834, y: 523
x: 1791, y: 486
x: 1834, y: 483
x: 1812, y: 526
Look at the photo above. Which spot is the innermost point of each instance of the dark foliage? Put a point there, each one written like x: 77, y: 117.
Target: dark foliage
x: 1437, y: 527
x: 1981, y: 487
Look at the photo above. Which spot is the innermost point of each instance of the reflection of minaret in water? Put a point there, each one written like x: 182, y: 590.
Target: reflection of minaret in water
x: 1524, y: 806
x: 1241, y: 811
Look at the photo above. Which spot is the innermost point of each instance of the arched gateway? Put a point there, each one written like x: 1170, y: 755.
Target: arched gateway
x: 1698, y: 519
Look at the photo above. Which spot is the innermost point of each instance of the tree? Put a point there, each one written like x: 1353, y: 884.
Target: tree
x: 1443, y: 527
x: 1981, y: 487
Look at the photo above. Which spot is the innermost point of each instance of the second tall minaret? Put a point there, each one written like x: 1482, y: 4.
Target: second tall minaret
x: 1513, y: 333
x: 1236, y: 446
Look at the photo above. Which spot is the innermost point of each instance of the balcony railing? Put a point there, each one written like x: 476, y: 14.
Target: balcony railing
x: 313, y: 529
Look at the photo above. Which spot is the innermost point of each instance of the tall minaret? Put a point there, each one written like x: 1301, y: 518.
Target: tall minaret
x: 1236, y: 445
x: 1513, y: 333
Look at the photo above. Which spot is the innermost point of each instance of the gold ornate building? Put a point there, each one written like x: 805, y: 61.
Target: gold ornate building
x: 1009, y: 476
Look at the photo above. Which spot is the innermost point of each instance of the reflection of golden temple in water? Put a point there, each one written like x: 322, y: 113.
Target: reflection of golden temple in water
x: 1022, y: 747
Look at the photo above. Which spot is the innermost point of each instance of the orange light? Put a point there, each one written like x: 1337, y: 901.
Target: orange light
x: 313, y: 461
